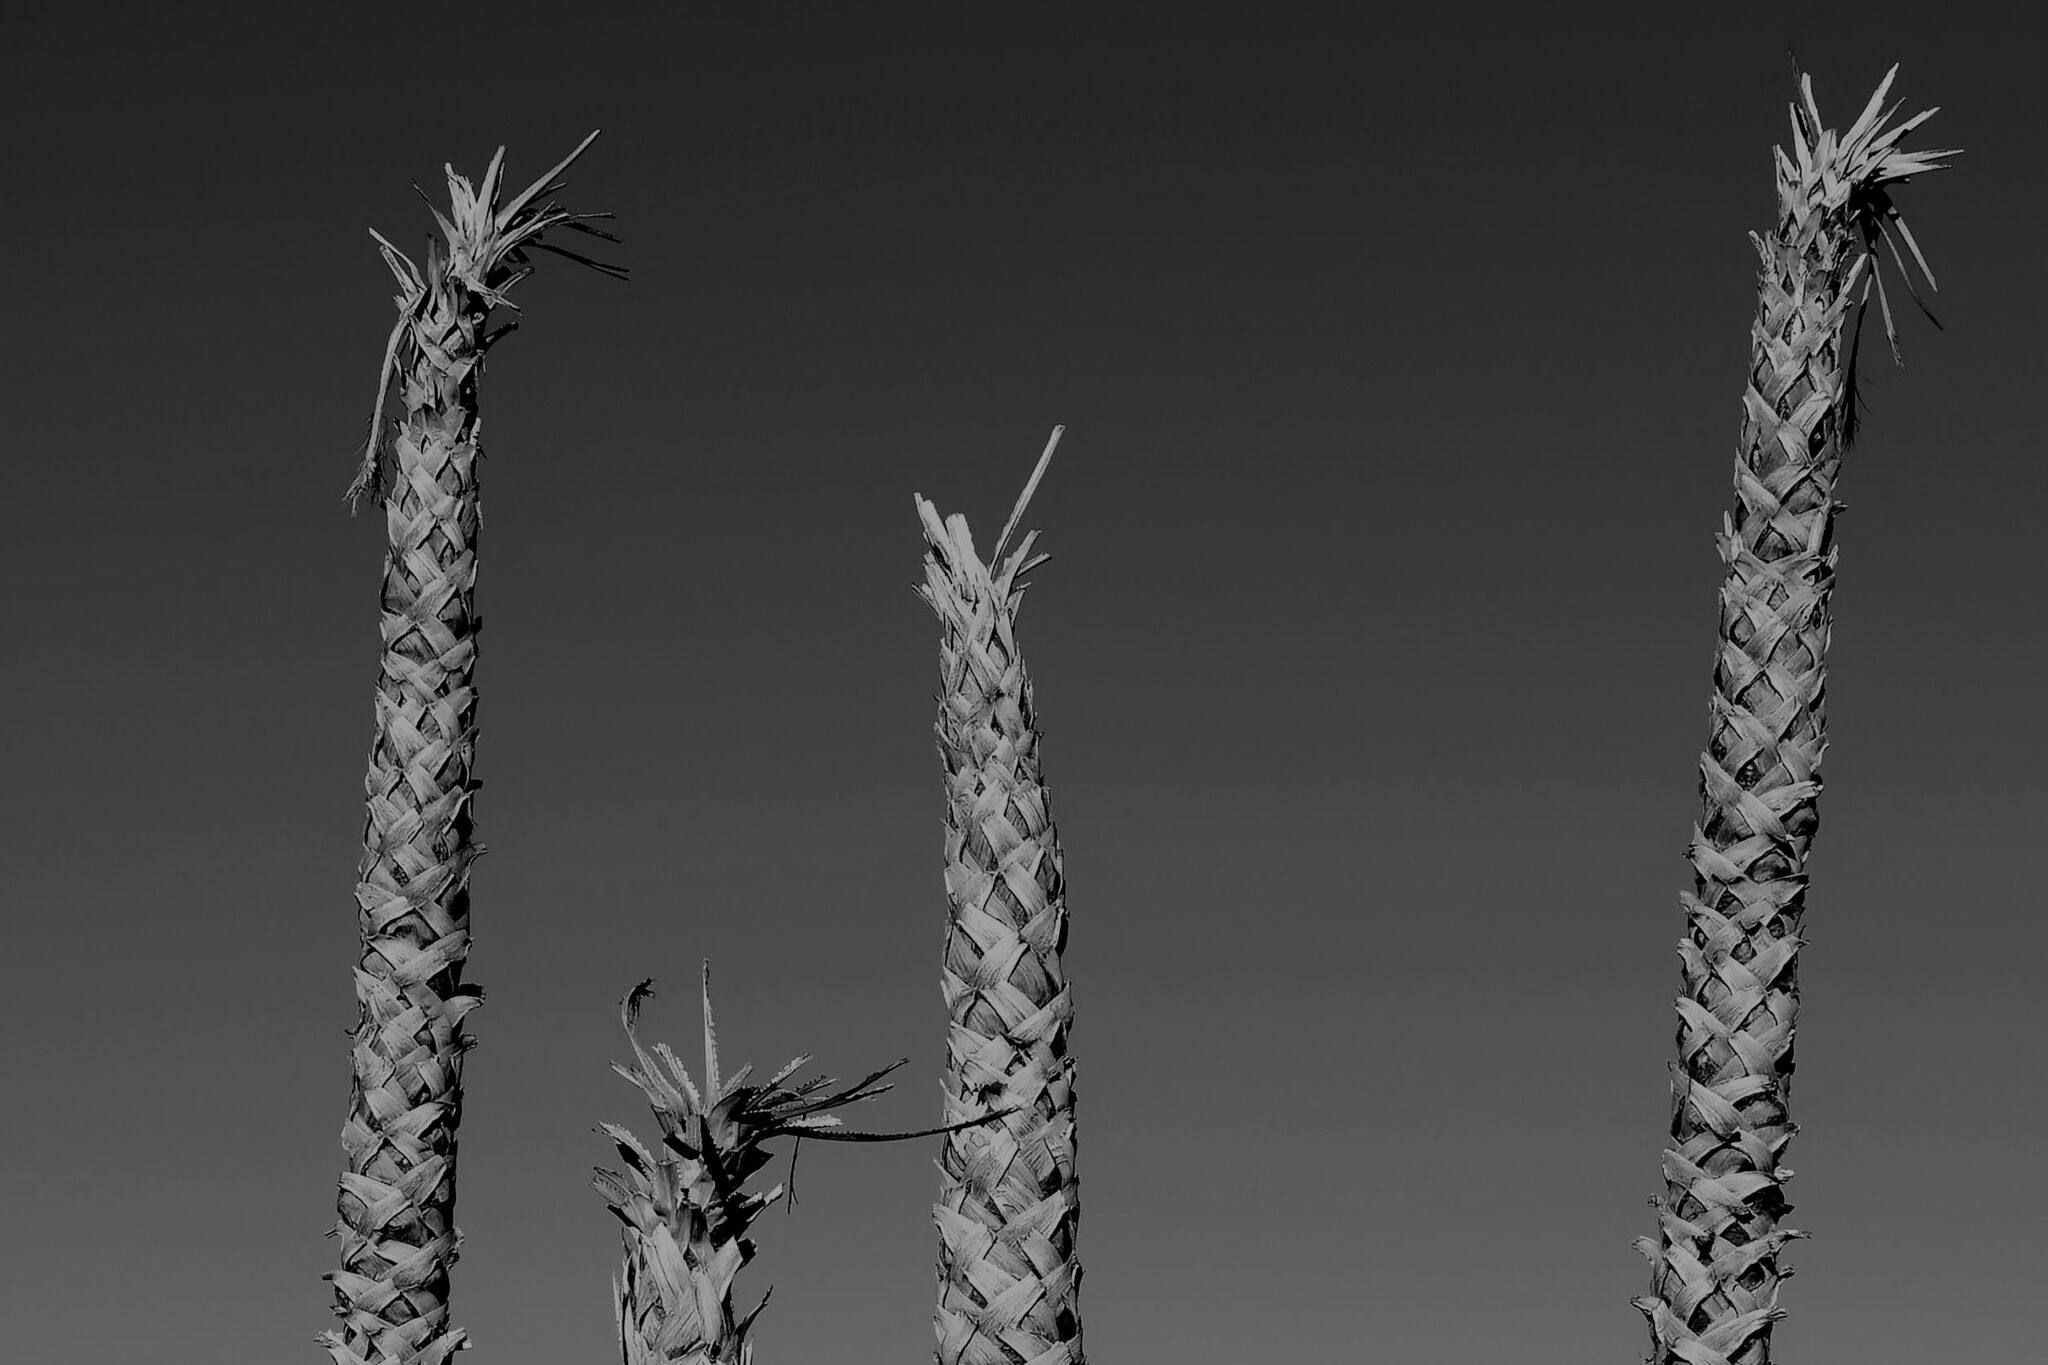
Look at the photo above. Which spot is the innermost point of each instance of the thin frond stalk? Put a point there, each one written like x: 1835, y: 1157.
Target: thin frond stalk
x: 685, y: 1206
x: 397, y: 1195
x: 1009, y: 1203
x: 1715, y: 1263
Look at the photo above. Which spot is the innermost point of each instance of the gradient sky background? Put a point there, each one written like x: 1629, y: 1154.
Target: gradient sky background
x: 1400, y: 366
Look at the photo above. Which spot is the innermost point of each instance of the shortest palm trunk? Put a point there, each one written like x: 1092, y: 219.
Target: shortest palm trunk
x: 1009, y: 1202
x: 685, y: 1204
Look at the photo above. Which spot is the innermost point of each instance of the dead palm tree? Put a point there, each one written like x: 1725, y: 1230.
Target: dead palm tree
x: 1715, y: 1263
x: 685, y: 1204
x: 397, y: 1195
x: 1009, y: 1208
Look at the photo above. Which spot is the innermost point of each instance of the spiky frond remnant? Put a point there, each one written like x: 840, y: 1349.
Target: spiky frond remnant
x: 1009, y: 1207
x: 397, y: 1196
x: 1715, y: 1264
x: 685, y: 1205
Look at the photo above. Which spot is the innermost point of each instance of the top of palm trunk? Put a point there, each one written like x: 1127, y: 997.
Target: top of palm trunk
x: 484, y: 254
x: 1834, y: 182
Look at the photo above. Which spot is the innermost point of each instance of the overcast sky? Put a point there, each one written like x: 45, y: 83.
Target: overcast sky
x: 1401, y: 367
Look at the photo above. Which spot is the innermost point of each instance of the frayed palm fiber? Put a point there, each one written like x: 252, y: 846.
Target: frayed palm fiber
x: 1715, y: 1263
x: 1008, y: 1209
x: 397, y: 1195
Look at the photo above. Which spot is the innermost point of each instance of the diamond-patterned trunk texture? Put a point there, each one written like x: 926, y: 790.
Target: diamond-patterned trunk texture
x: 1715, y: 1263
x: 397, y: 1200
x: 1008, y: 1210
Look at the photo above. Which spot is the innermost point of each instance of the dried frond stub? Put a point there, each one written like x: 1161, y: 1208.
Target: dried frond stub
x: 686, y: 1207
x: 1840, y: 184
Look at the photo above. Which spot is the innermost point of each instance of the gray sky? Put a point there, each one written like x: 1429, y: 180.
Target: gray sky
x: 1401, y: 369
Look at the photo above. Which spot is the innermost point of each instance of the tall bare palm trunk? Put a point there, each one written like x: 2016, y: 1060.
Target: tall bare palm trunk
x: 1715, y: 1263
x: 397, y: 1196
x: 1009, y: 1208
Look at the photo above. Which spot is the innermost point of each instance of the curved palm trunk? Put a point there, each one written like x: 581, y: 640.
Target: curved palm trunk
x: 1008, y: 1209
x: 1715, y: 1264
x: 397, y: 1196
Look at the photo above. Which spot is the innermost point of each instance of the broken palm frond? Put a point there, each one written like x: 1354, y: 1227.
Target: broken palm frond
x: 398, y: 1189
x: 685, y: 1205
x: 1009, y: 1209
x: 1715, y: 1266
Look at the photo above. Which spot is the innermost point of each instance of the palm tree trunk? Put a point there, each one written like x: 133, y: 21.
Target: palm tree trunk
x: 1008, y: 1210
x: 397, y: 1195
x: 1715, y: 1263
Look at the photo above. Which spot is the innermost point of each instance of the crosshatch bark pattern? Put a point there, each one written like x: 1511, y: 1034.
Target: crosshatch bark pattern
x: 1715, y: 1263
x: 1008, y: 1211
x: 398, y: 1194
x: 397, y: 1190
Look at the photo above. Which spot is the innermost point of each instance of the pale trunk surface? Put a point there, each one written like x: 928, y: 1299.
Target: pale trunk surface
x: 1009, y: 1201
